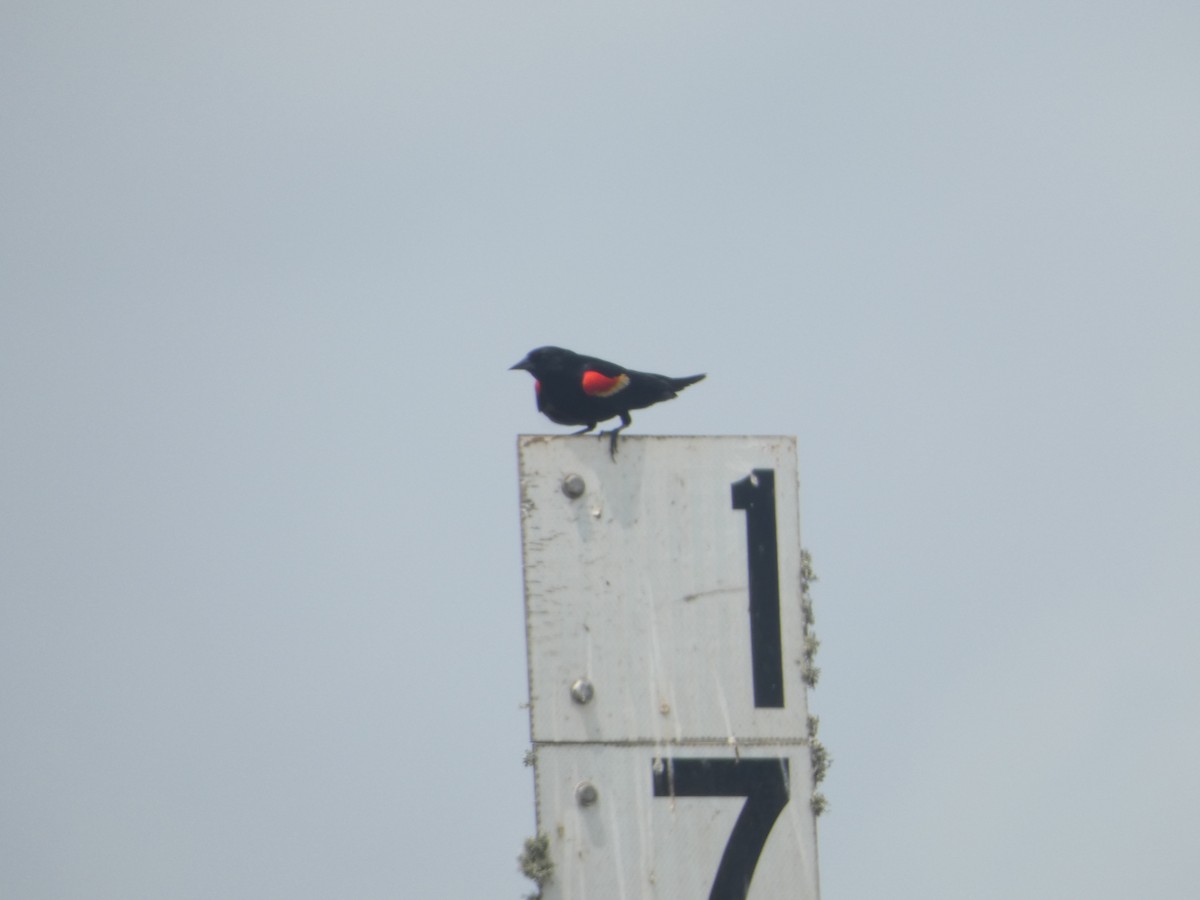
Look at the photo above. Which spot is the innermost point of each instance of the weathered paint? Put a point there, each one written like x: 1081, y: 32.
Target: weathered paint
x: 640, y: 586
x: 631, y: 844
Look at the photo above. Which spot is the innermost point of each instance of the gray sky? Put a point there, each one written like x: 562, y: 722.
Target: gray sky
x: 263, y: 267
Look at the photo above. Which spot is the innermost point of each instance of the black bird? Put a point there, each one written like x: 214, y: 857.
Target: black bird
x: 582, y: 390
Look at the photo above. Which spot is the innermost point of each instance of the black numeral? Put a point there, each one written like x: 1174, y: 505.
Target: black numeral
x: 764, y: 784
x: 756, y: 495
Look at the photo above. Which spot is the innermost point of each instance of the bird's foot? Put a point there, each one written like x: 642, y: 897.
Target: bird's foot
x: 612, y: 441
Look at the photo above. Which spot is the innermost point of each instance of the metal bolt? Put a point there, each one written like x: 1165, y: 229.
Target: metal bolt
x: 582, y: 691
x: 573, y: 486
x: 586, y: 793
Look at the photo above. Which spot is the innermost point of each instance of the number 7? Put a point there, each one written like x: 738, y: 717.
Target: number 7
x: 764, y: 784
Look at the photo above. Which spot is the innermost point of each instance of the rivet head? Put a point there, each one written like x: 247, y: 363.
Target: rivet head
x: 586, y: 794
x: 573, y: 486
x: 582, y: 691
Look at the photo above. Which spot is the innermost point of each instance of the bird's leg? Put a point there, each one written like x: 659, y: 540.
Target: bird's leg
x: 590, y: 426
x: 626, y: 421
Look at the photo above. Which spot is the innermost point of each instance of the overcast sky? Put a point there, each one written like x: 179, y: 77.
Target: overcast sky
x: 264, y: 265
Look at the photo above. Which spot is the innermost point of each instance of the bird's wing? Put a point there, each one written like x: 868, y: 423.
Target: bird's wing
x: 601, y: 378
x: 596, y: 384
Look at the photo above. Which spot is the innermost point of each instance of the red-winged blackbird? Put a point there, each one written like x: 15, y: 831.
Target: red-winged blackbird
x: 582, y: 390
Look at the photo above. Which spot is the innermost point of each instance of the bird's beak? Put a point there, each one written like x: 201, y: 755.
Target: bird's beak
x: 523, y: 364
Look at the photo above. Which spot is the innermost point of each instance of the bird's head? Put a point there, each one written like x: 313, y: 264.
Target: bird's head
x: 544, y: 360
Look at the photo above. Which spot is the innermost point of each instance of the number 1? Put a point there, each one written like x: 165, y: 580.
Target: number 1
x: 756, y: 495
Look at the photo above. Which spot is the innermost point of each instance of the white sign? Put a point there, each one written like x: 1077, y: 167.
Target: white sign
x: 666, y: 648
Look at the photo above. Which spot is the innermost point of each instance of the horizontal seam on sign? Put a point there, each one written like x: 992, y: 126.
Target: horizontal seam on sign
x: 681, y: 742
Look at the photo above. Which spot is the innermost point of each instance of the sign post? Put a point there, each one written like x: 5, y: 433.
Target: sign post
x: 666, y: 652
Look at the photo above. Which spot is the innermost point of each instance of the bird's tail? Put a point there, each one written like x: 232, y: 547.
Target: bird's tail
x: 678, y: 384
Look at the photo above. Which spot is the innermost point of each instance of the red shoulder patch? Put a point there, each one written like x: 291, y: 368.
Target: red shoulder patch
x: 597, y: 384
x: 537, y: 386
